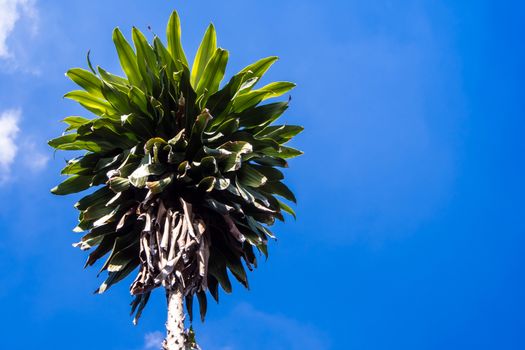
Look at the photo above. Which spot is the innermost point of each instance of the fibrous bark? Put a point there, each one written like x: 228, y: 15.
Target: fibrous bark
x: 174, y: 253
x: 174, y: 249
x: 176, y: 338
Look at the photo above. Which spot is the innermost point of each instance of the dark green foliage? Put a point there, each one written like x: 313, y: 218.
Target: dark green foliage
x: 186, y: 174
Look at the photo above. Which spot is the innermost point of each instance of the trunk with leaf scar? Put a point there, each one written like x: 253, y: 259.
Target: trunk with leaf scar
x: 176, y: 335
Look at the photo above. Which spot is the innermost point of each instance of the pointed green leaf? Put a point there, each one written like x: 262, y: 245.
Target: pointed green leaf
x: 113, y: 79
x: 218, y: 102
x: 73, y: 184
x: 118, y: 184
x: 138, y: 98
x: 146, y: 60
x: 250, y: 177
x: 164, y: 58
x: 203, y: 304
x: 86, y: 80
x: 173, y: 33
x: 99, y: 197
x: 283, y: 152
x: 277, y: 89
x: 280, y: 133
x: 128, y: 59
x: 287, y: 208
x: 257, y: 69
x: 213, y: 73
x: 279, y: 189
x: 91, y: 102
x: 69, y: 142
x: 262, y: 115
x: 204, y: 53
x: 75, y: 122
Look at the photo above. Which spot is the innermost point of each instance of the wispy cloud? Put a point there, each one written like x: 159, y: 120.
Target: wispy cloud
x: 14, y: 151
x: 249, y: 328
x: 32, y: 157
x: 153, y: 340
x: 12, y: 12
x: 8, y: 148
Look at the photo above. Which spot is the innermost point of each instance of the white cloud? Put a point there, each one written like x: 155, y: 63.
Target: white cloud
x: 11, y: 11
x: 8, y: 148
x: 153, y: 340
x: 33, y: 159
x: 248, y: 328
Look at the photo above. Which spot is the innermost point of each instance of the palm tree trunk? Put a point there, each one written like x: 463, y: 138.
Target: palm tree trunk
x: 176, y: 335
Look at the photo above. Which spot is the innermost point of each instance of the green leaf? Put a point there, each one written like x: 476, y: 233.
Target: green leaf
x: 189, y: 306
x: 138, y: 304
x: 222, y: 184
x: 115, y: 277
x: 207, y: 184
x: 164, y: 57
x: 251, y: 177
x: 141, y: 125
x: 118, y: 99
x: 123, y: 257
x: 88, y: 59
x: 205, y: 52
x: 225, y: 129
x: 217, y: 268
x: 280, y: 133
x: 196, y: 134
x: 238, y: 271
x: 213, y: 286
x: 287, y: 208
x: 86, y: 80
x: 203, y: 304
x: 213, y: 73
x: 96, y: 212
x: 61, y: 141
x: 262, y: 115
x: 246, y: 100
x: 270, y: 161
x: 146, y: 60
x: 283, y: 152
x: 173, y: 33
x: 127, y: 246
x: 73, y: 184
x: 128, y: 59
x: 271, y: 173
x: 69, y: 142
x: 118, y: 184
x: 75, y: 122
x: 140, y: 176
x: 138, y: 98
x: 159, y: 186
x: 277, y: 89
x: 82, y: 166
x: 113, y: 79
x: 257, y: 69
x: 91, y: 102
x: 279, y: 189
x: 99, y: 197
x: 207, y: 166
x: 158, y: 141
x: 144, y: 49
x: 236, y: 149
x: 218, y: 102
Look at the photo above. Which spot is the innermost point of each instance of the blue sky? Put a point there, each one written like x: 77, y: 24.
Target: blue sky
x: 410, y: 230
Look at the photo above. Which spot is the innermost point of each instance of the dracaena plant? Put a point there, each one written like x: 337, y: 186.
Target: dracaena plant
x: 185, y: 174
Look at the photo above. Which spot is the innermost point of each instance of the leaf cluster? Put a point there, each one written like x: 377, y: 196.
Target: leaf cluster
x: 166, y: 133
